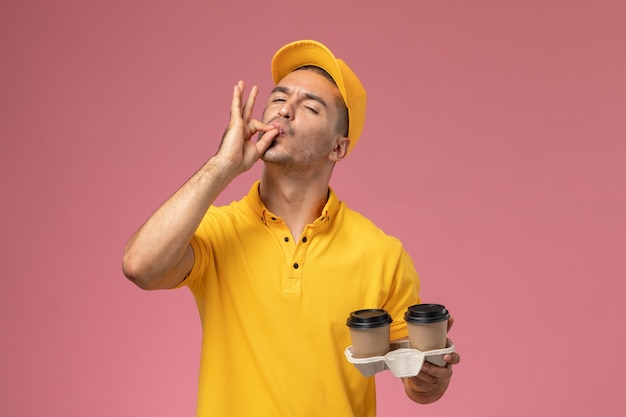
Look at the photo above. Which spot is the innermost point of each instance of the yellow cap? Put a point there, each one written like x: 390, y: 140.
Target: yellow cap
x: 308, y: 52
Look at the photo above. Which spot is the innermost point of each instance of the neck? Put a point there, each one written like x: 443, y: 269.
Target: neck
x: 298, y: 201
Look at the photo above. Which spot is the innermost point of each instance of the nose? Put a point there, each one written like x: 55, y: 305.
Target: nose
x: 284, y: 112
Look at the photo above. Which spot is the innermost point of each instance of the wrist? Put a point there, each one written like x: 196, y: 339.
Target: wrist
x: 220, y: 170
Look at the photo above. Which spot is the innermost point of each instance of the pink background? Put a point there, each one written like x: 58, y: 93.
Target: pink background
x: 494, y: 148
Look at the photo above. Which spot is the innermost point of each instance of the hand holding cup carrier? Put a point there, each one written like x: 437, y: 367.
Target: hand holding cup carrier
x: 372, y: 351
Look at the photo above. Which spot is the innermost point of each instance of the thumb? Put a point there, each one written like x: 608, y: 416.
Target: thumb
x: 266, y: 137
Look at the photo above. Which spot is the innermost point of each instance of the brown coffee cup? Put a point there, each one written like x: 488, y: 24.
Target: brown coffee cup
x: 369, y: 331
x: 427, y: 325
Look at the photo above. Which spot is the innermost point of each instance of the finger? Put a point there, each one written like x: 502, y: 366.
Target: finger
x: 434, y: 371
x: 417, y: 385
x: 450, y: 322
x: 249, y: 106
x: 268, y: 133
x: 265, y: 140
x: 452, y: 358
x: 424, y: 378
x: 257, y: 126
x: 235, y: 105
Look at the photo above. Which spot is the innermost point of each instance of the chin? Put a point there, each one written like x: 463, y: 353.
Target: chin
x: 272, y: 156
x: 269, y: 156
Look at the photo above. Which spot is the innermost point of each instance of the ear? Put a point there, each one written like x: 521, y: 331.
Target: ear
x: 340, y: 150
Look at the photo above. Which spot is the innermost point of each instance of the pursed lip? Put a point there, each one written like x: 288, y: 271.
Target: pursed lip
x: 278, y: 125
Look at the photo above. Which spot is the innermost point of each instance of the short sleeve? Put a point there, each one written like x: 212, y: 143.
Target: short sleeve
x: 404, y: 292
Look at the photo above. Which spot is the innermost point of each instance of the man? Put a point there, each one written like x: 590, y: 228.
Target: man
x: 276, y: 274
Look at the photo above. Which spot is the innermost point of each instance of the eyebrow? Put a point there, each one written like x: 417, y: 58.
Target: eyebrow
x: 307, y: 95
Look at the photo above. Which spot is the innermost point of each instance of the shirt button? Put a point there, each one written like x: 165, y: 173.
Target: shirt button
x: 274, y: 218
x: 295, y: 266
x: 286, y: 239
x: 304, y: 239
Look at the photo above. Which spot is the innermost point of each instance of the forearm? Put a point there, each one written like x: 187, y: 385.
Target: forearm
x: 158, y: 255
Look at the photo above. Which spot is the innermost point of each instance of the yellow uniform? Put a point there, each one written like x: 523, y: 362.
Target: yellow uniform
x: 274, y: 309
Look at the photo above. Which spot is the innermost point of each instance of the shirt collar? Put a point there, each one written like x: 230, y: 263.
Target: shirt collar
x: 256, y: 204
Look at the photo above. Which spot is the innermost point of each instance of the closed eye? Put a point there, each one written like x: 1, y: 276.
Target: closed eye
x: 311, y: 109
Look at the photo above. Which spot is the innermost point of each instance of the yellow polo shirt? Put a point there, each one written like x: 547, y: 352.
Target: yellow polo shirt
x: 274, y: 308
